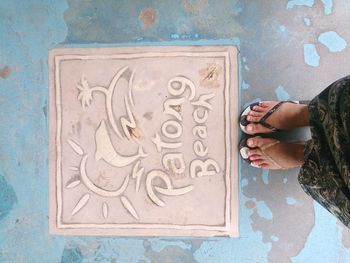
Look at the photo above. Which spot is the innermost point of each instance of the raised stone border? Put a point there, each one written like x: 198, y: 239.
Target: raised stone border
x: 155, y: 165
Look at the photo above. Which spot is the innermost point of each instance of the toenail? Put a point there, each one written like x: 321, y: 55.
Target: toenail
x: 250, y: 143
x: 250, y: 128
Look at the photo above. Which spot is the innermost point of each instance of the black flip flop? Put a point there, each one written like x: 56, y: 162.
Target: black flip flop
x: 243, y: 123
x: 243, y: 150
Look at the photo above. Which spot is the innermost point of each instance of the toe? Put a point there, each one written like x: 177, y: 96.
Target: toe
x: 256, y: 157
x: 264, y: 104
x: 252, y: 128
x: 254, y: 152
x: 253, y: 142
x: 255, y: 128
x: 253, y: 119
x: 258, y: 108
x: 259, y: 163
x: 255, y: 113
x: 258, y: 142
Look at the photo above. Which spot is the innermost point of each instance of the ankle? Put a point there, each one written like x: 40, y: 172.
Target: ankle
x: 302, y: 116
x: 299, y: 153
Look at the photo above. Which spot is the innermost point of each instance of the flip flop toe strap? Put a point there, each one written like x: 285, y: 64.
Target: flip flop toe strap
x: 263, y: 150
x: 269, y: 113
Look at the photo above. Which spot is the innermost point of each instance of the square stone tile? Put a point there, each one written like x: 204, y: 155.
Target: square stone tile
x: 143, y: 141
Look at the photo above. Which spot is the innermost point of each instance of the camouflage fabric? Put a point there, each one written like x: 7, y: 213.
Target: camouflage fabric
x: 325, y: 174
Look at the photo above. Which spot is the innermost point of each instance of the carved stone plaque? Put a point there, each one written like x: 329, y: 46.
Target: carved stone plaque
x: 143, y: 141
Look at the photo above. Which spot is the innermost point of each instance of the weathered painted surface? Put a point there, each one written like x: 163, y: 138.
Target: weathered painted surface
x: 278, y: 222
x: 7, y: 197
x: 311, y: 56
x: 332, y: 41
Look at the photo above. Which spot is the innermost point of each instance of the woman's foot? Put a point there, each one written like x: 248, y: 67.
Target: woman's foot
x: 271, y: 154
x: 287, y: 116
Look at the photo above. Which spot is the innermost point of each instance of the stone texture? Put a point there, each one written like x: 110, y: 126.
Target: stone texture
x: 142, y: 141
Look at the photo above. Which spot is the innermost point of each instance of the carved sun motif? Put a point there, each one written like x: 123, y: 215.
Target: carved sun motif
x: 83, y: 178
x: 104, y: 147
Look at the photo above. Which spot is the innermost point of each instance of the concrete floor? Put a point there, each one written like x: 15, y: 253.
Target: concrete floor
x: 289, y: 50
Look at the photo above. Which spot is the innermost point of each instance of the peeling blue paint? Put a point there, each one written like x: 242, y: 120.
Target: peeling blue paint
x: 307, y: 21
x: 159, y: 244
x: 237, y: 11
x: 265, y: 176
x: 281, y: 93
x: 328, y: 6
x: 282, y: 28
x: 93, y: 21
x: 263, y: 210
x: 311, y: 57
x: 172, y: 253
x: 7, y: 197
x: 28, y: 30
x: 323, y: 240
x: 183, y: 36
x: 244, y: 182
x: 332, y: 41
x: 274, y: 238
x: 245, y: 85
x: 292, y: 3
x: 71, y: 255
x: 245, y: 66
x: 291, y: 201
x: 209, y: 42
x: 175, y: 36
x: 233, y: 250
